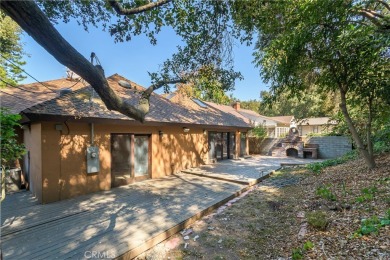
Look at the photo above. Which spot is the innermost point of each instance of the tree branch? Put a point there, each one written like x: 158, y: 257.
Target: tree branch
x: 386, y: 5
x: 373, y: 13
x: 33, y: 21
x: 370, y: 17
x: 136, y: 10
x: 159, y: 84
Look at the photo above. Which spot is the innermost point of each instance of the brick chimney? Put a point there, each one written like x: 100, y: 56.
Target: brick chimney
x: 236, y: 105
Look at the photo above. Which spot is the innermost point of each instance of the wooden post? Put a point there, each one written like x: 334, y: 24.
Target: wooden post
x: 246, y: 144
x: 238, y: 145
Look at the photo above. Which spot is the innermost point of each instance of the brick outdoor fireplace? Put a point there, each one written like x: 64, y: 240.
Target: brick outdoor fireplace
x: 292, y: 145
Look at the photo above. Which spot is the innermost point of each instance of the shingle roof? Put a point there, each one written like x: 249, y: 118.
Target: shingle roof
x: 316, y: 121
x: 86, y: 103
x: 283, y: 119
x: 256, y: 117
x: 228, y: 109
x: 16, y: 99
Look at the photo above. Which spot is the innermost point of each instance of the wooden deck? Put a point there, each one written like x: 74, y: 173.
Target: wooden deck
x: 120, y: 223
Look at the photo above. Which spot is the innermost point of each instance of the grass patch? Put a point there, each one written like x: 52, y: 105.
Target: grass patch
x: 299, y: 253
x: 367, y: 194
x: 325, y: 193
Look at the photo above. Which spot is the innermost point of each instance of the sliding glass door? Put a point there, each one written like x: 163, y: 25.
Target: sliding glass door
x: 129, y: 158
x: 141, y: 156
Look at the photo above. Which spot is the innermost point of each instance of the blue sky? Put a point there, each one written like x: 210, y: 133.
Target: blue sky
x: 131, y: 59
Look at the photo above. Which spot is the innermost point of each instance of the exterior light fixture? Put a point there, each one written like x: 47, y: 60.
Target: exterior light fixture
x: 204, y: 131
x: 186, y: 129
x: 160, y: 133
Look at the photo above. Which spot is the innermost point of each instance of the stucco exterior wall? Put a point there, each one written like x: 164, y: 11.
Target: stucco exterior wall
x: 33, y: 166
x: 64, y: 173
x: 175, y: 150
x: 308, y: 129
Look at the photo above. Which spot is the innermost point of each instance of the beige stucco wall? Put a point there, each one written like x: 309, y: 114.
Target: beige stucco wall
x: 307, y: 129
x: 32, y: 141
x: 63, y: 168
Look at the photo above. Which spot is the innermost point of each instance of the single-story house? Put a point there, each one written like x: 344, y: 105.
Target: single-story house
x: 77, y: 146
x: 276, y: 126
x: 314, y: 125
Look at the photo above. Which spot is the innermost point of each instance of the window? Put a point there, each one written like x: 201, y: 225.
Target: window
x: 199, y: 103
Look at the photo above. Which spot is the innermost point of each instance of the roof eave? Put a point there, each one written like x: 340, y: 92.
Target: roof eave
x: 33, y: 117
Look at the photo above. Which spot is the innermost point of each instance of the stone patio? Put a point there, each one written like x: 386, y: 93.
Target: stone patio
x: 247, y: 171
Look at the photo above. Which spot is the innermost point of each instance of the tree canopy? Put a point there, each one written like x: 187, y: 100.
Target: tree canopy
x: 337, y: 47
x: 11, y: 52
x: 325, y: 45
x: 205, y: 28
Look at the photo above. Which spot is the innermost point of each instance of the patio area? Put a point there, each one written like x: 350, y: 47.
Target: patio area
x: 248, y: 171
x: 126, y: 221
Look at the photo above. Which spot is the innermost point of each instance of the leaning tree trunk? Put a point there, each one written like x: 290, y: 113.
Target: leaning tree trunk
x: 369, y: 128
x: 2, y: 184
x: 368, y: 157
x: 33, y: 21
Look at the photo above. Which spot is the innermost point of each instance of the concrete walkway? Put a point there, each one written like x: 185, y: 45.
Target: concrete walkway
x: 122, y: 222
x: 246, y: 171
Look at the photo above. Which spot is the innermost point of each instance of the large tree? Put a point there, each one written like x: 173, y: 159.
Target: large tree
x: 11, y: 51
x: 337, y: 45
x: 310, y: 103
x: 329, y: 44
x: 203, y: 26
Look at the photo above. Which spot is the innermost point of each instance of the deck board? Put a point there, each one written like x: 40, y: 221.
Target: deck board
x: 112, y: 222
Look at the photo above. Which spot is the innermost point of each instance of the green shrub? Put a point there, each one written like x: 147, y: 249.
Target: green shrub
x: 381, y: 138
x: 318, y: 220
x: 372, y: 225
x: 298, y: 253
x: 317, y: 167
x: 308, y: 246
x: 258, y: 131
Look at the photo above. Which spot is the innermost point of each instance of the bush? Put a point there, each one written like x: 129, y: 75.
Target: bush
x: 259, y: 131
x: 372, y: 225
x: 298, y: 253
x: 381, y: 138
x: 317, y: 167
x: 318, y: 220
x: 10, y: 148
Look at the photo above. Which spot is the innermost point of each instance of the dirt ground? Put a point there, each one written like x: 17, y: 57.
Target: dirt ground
x: 341, y: 213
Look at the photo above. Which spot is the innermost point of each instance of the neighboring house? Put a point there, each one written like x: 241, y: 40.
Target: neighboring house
x: 276, y: 126
x: 315, y: 125
x: 77, y: 146
x: 279, y: 126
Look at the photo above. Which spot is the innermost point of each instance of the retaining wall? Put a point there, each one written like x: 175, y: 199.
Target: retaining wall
x: 330, y: 146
